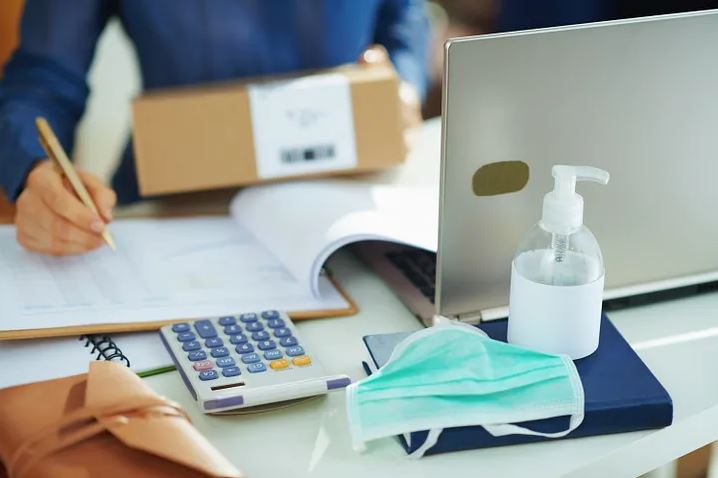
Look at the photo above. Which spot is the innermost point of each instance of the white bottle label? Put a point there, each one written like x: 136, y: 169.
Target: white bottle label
x: 555, y: 319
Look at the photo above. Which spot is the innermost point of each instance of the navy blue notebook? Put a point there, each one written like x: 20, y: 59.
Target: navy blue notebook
x: 621, y: 394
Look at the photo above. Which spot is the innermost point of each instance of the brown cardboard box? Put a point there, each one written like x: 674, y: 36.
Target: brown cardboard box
x: 206, y: 137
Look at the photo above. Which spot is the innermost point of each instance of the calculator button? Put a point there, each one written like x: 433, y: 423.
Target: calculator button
x: 302, y: 360
x: 183, y: 327
x: 288, y: 341
x: 238, y: 339
x: 261, y: 335
x: 197, y: 355
x: 203, y: 365
x: 275, y: 323
x: 205, y: 329
x: 231, y: 371
x: 282, y: 332
x: 256, y: 367
x: 186, y: 337
x: 266, y: 344
x: 270, y: 314
x: 213, y: 342
x: 227, y: 321
x: 223, y: 362
x: 273, y: 354
x: 190, y: 346
x: 279, y: 364
x: 254, y: 327
x: 208, y: 375
x: 219, y: 352
x: 244, y: 348
x: 233, y: 329
x: 250, y: 358
x: 247, y: 318
x: 294, y: 351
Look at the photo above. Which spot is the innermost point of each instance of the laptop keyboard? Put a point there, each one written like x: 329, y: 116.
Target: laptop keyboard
x: 419, y: 267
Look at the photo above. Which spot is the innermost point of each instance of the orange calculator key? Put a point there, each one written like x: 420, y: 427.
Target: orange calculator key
x: 279, y: 364
x: 302, y: 360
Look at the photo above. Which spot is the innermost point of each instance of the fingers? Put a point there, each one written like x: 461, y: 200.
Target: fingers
x: 375, y: 54
x: 51, y: 220
x: 58, y: 248
x: 104, y: 197
x: 49, y: 186
x: 39, y: 230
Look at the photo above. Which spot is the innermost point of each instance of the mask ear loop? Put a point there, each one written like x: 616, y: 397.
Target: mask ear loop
x: 576, y: 418
x: 509, y: 429
x: 430, y: 441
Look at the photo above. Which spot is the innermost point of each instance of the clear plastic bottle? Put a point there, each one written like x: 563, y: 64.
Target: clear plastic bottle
x: 557, y: 274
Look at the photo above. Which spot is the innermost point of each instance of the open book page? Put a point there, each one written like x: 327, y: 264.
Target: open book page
x: 162, y: 270
x: 302, y: 223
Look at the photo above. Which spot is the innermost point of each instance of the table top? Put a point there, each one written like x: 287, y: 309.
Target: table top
x: 678, y: 340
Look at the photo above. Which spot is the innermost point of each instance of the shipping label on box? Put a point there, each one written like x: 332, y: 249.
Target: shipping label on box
x: 302, y: 126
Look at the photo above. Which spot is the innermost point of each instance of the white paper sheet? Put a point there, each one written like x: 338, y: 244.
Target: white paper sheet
x: 27, y: 361
x: 304, y: 222
x: 163, y: 269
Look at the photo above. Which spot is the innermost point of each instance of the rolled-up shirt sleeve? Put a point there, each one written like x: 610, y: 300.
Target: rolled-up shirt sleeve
x: 46, y: 76
x: 403, y: 28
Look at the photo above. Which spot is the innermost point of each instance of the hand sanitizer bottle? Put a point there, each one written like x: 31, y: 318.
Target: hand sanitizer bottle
x: 557, y: 274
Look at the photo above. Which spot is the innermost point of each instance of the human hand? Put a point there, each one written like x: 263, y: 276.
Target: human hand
x: 49, y: 217
x: 408, y: 95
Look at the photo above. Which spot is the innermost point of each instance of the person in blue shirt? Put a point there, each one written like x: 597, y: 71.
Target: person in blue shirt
x: 178, y: 42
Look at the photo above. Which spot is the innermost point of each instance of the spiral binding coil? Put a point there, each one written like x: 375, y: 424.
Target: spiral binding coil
x: 105, y: 348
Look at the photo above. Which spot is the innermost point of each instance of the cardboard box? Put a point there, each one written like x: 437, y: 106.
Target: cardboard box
x: 333, y: 122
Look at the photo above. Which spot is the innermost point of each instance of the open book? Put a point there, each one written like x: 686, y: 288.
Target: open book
x: 268, y: 254
x: 303, y: 223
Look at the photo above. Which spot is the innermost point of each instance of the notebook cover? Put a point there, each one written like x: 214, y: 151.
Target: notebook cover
x: 622, y: 394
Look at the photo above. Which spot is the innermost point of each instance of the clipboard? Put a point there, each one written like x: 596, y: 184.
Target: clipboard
x: 76, y: 330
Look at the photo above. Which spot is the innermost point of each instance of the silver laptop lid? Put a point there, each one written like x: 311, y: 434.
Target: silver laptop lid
x: 637, y: 98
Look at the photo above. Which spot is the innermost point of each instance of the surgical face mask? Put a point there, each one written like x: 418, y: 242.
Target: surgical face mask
x: 454, y: 375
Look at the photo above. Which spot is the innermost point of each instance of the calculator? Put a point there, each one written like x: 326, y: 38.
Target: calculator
x: 246, y: 360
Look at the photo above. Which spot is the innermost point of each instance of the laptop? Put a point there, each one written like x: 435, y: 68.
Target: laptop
x: 638, y: 98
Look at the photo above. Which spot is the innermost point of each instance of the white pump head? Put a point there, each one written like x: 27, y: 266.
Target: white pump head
x: 562, y: 207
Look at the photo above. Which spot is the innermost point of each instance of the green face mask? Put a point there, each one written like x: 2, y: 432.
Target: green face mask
x: 454, y: 375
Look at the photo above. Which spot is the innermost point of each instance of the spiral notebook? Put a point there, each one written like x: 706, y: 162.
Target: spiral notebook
x: 26, y: 361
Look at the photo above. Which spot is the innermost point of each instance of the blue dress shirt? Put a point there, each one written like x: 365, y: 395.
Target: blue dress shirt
x: 182, y: 42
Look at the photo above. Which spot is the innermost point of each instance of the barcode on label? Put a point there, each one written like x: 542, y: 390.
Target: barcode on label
x: 306, y: 155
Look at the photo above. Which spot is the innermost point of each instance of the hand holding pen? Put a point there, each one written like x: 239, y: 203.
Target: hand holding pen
x: 52, y: 217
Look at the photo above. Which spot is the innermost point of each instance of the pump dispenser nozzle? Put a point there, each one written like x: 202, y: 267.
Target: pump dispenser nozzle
x: 563, y: 208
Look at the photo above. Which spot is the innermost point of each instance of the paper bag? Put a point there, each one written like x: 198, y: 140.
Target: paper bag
x: 107, y: 423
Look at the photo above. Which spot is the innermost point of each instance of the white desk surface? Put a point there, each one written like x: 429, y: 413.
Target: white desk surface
x: 678, y: 340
